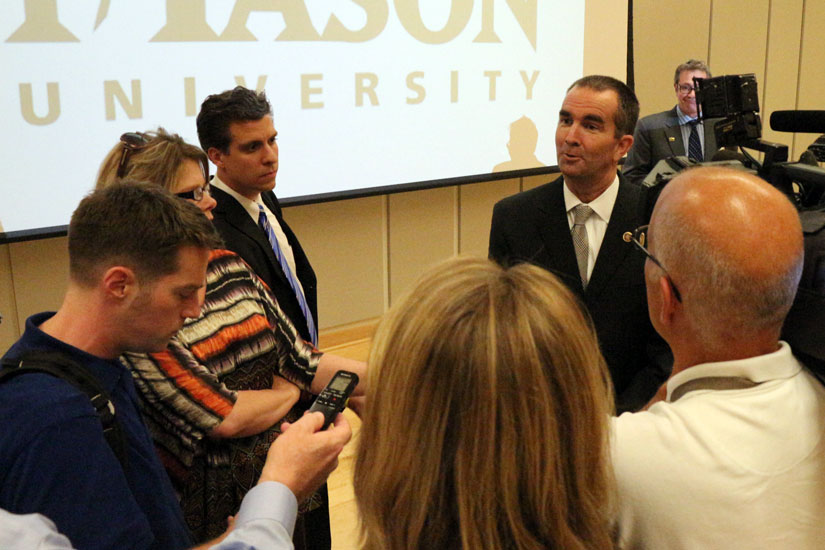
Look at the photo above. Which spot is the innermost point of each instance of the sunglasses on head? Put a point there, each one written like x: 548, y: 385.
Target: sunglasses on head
x: 130, y: 141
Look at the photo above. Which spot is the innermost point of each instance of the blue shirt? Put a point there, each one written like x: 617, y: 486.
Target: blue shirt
x: 55, y: 461
x: 266, y: 520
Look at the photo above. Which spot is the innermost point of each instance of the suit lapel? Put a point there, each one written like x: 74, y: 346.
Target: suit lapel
x: 554, y: 230
x: 236, y: 215
x: 614, y: 248
x: 674, y: 134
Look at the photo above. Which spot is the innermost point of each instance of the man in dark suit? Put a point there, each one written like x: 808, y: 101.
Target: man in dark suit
x: 235, y: 129
x: 676, y: 132
x: 579, y: 227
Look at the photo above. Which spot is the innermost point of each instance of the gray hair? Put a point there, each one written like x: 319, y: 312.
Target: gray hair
x: 691, y: 65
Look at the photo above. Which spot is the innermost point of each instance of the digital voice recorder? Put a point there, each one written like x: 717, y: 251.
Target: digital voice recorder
x: 333, y: 398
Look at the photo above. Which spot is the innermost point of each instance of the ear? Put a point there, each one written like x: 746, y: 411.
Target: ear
x: 119, y: 282
x: 668, y: 300
x: 624, y: 145
x: 216, y: 156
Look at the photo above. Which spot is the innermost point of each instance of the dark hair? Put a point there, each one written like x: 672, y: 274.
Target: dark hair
x: 135, y: 224
x: 158, y: 161
x: 691, y: 65
x: 218, y: 111
x: 628, y: 111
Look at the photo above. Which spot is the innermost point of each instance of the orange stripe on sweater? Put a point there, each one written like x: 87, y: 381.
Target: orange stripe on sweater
x: 205, y: 395
x: 220, y: 341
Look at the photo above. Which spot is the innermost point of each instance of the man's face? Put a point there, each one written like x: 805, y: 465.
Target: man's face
x: 161, y: 306
x: 586, y: 142
x: 251, y: 164
x: 687, y: 100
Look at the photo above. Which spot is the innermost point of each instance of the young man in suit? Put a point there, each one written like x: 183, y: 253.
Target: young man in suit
x: 236, y: 130
x: 579, y: 227
x: 676, y: 132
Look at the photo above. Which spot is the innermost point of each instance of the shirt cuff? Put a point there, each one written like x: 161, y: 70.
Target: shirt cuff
x: 269, y: 500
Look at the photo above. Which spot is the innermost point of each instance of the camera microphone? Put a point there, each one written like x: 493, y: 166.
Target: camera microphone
x: 798, y: 121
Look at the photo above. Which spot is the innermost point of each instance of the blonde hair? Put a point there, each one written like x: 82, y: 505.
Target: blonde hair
x: 486, y: 425
x: 159, y: 161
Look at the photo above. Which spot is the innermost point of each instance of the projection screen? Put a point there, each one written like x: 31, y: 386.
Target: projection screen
x: 366, y: 93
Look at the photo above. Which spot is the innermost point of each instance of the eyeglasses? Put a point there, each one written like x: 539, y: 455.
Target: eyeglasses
x: 195, y: 194
x: 131, y: 142
x: 640, y: 240
x: 685, y: 88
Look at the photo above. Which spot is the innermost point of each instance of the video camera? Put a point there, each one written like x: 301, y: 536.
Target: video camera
x: 731, y: 104
x: 734, y: 101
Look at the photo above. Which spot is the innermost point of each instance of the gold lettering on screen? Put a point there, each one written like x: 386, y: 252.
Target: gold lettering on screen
x: 190, y: 105
x: 409, y: 13
x: 296, y: 19
x: 27, y: 104
x: 41, y: 24
x: 529, y: 83
x: 365, y: 84
x: 492, y: 75
x: 308, y: 90
x: 186, y: 22
x: 377, y: 15
x: 311, y: 92
x: 113, y: 90
x: 414, y: 86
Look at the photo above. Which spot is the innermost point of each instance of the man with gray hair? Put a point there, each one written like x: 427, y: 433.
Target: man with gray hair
x: 676, y: 132
x: 734, y: 457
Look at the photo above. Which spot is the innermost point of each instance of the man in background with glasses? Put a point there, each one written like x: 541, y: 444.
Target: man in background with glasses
x: 734, y: 455
x: 676, y: 132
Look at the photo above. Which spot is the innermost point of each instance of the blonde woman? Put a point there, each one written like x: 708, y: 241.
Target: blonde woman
x: 214, y: 399
x: 488, y: 424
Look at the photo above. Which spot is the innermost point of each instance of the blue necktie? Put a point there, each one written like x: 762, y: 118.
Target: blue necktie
x: 296, y: 288
x: 694, y: 145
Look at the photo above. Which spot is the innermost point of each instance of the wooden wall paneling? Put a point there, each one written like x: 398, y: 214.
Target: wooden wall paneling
x: 605, y: 44
x: 665, y: 34
x: 531, y: 182
x: 41, y: 273
x: 476, y: 210
x: 344, y: 240
x: 812, y: 60
x: 422, y: 231
x: 9, y: 327
x: 781, y: 81
x: 739, y: 37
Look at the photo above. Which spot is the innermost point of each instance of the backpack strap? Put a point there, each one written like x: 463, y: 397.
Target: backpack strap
x: 62, y: 366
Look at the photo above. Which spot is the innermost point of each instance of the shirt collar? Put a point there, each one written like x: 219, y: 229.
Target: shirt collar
x: 107, y: 371
x: 250, y: 206
x: 601, y: 205
x: 762, y: 368
x: 683, y: 118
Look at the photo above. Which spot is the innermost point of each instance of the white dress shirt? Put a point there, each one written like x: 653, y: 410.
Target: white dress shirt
x: 596, y: 224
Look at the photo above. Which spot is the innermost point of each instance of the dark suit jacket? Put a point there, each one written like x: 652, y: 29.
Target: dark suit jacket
x: 532, y: 227
x: 658, y: 137
x: 243, y: 236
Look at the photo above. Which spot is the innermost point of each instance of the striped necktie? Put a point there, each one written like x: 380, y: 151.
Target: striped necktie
x: 694, y: 145
x: 263, y: 222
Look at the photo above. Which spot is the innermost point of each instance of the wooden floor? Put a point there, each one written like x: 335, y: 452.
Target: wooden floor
x: 342, y: 510
x: 353, y: 343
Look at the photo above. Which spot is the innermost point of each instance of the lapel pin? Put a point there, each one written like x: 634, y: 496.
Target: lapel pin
x: 671, y: 138
x: 627, y: 237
